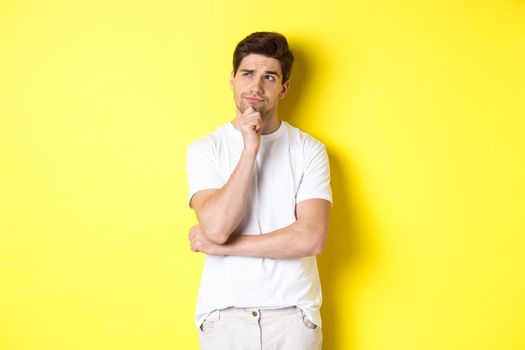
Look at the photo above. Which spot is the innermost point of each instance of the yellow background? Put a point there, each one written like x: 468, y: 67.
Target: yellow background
x: 421, y: 106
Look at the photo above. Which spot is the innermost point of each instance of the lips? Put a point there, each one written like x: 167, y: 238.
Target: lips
x: 253, y: 99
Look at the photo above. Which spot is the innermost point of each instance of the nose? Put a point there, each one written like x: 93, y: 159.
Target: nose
x: 257, y: 86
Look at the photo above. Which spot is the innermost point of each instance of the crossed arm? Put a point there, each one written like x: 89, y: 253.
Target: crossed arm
x: 304, y: 237
x: 220, y: 211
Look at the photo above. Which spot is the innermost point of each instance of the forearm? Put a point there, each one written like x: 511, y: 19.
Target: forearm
x: 222, y: 211
x: 294, y: 241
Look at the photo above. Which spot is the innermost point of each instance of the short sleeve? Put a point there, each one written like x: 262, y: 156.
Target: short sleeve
x: 201, y: 168
x: 315, y: 181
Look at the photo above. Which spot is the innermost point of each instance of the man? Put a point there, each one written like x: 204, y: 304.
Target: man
x: 261, y: 191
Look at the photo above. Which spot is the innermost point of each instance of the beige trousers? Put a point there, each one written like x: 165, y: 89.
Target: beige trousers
x: 254, y: 329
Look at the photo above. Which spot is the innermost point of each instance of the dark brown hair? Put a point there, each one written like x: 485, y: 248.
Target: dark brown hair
x: 270, y: 44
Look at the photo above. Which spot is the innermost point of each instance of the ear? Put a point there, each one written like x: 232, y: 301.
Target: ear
x: 284, y: 89
x: 232, y: 76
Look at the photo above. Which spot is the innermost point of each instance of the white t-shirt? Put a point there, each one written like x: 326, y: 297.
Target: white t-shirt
x: 291, y: 166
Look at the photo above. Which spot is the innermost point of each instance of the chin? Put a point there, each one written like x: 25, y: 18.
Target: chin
x: 261, y: 110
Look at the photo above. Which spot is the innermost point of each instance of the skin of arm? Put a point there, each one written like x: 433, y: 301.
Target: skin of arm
x: 219, y: 212
x: 304, y: 237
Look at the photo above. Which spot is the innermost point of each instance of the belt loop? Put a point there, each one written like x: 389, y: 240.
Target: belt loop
x: 218, y: 314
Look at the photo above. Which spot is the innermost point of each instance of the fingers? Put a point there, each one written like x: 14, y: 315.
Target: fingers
x: 193, y: 238
x: 251, y: 120
x: 251, y: 123
x: 194, y: 245
x: 199, y: 242
x: 193, y: 231
x: 250, y: 112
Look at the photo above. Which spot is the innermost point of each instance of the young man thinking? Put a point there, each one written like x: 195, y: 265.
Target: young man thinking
x: 261, y: 191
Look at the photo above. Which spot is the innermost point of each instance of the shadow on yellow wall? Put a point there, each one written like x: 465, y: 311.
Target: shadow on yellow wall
x: 345, y: 247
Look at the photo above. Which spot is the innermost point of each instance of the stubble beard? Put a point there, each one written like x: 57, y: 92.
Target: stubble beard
x: 243, y: 106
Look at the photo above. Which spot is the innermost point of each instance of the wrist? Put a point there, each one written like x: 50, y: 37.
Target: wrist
x: 220, y: 250
x: 250, y: 151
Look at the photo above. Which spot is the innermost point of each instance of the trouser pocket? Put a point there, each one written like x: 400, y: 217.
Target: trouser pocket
x: 209, y: 323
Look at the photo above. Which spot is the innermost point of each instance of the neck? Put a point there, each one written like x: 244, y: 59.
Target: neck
x: 270, y: 125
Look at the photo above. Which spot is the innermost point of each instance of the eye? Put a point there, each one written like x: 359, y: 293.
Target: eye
x: 269, y: 77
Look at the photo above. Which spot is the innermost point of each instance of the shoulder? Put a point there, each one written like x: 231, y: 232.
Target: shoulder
x: 306, y: 141
x: 210, y: 141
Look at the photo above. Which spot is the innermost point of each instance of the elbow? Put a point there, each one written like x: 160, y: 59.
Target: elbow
x: 214, y: 235
x: 216, y: 231
x: 317, y: 241
x: 317, y: 248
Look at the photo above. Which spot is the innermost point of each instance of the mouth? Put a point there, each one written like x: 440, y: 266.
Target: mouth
x: 254, y: 100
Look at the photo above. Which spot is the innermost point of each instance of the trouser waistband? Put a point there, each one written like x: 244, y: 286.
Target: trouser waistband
x: 252, y: 313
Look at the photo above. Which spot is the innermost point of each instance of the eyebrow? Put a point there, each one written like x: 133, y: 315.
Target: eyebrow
x: 266, y: 72
x: 271, y: 72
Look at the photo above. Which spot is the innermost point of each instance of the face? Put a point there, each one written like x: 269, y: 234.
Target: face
x: 258, y: 83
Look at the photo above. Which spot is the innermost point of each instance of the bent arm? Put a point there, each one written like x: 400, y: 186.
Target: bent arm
x: 305, y: 237
x: 219, y: 211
